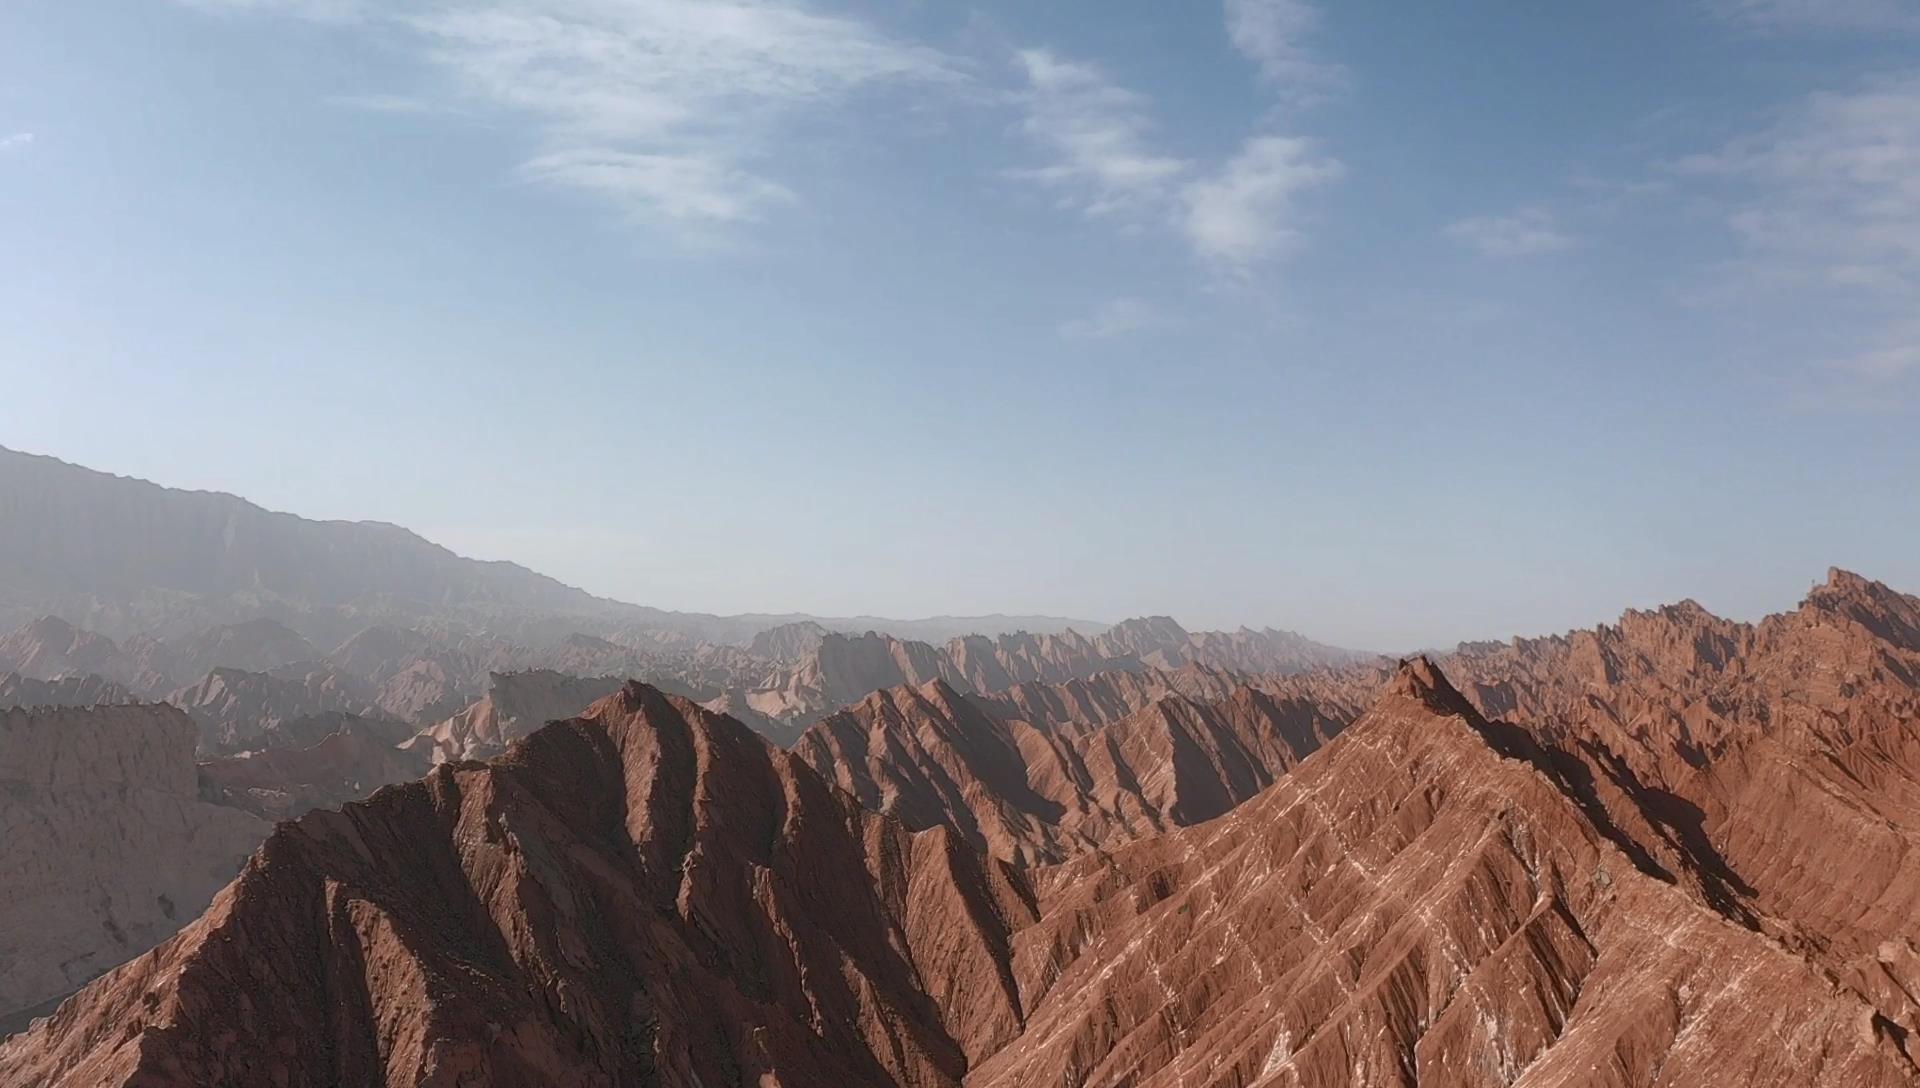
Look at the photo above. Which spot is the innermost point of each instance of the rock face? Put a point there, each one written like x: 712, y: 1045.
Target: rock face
x: 844, y: 668
x: 1776, y: 766
x: 1669, y: 852
x: 257, y: 645
x: 106, y: 847
x: 351, y: 759
x: 515, y: 705
x: 1038, y: 794
x: 240, y: 711
x: 788, y: 642
x: 650, y: 894
x: 646, y: 895
x: 50, y: 648
x: 1429, y: 901
x: 71, y: 690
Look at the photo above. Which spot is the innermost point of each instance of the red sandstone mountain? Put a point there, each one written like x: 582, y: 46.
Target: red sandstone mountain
x: 1677, y: 858
x: 651, y: 895
x: 1426, y: 902
x: 1041, y: 793
x: 646, y: 895
x: 1780, y: 762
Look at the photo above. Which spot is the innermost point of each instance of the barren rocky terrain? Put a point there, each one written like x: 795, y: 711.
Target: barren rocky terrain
x: 1670, y: 851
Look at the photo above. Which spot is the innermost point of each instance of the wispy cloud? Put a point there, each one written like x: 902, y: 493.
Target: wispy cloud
x: 669, y: 108
x: 1233, y: 214
x: 1830, y: 193
x: 1273, y: 34
x: 1779, y: 15
x: 391, y: 103
x: 1528, y: 232
x: 1895, y: 357
x: 682, y: 188
x: 1244, y: 212
x: 1824, y: 204
x: 15, y: 141
x: 1115, y: 318
x: 1097, y: 135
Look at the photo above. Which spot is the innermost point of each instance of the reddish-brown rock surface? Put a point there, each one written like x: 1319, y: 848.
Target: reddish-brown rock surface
x: 647, y: 895
x: 351, y: 759
x: 515, y: 705
x: 1673, y: 852
x: 1042, y: 793
x: 1426, y: 902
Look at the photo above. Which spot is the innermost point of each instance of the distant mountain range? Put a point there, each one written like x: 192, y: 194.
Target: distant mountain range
x: 122, y: 556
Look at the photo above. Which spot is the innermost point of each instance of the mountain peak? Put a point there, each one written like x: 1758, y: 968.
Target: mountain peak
x: 1419, y: 679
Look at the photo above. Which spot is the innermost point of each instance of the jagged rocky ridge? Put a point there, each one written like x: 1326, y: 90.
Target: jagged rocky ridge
x: 1042, y: 790
x: 1431, y: 898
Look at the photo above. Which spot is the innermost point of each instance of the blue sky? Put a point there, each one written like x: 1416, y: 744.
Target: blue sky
x: 1394, y: 324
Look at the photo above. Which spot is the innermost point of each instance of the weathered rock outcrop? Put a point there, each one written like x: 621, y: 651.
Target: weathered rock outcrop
x: 105, y: 845
x: 71, y: 690
x: 515, y: 705
x: 349, y: 759
x: 239, y: 711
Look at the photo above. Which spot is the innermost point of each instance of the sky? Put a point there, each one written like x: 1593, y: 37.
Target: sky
x: 1393, y: 324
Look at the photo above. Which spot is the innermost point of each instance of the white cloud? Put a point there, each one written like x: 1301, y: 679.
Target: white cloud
x: 663, y: 106
x: 1272, y: 34
x: 1097, y: 134
x: 688, y: 189
x: 1896, y: 357
x: 15, y: 141
x: 390, y: 103
x: 1104, y: 163
x: 1824, y: 205
x: 1829, y: 194
x: 1528, y: 232
x: 1115, y: 318
x: 1244, y: 212
x: 1778, y: 15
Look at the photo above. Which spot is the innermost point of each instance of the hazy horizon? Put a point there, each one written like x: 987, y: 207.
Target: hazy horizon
x: 1086, y: 624
x: 1390, y: 328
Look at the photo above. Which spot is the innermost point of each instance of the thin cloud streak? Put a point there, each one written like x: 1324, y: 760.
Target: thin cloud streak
x: 1788, y: 15
x: 662, y: 107
x: 1233, y: 215
x: 1272, y: 34
x: 1097, y: 134
x: 1825, y: 203
x: 1115, y: 318
x: 1528, y: 232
